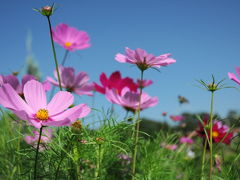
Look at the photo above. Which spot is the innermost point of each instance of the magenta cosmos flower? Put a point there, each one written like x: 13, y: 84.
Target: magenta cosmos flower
x: 73, y: 83
x: 130, y: 100
x: 70, y: 38
x: 233, y: 76
x: 144, y: 60
x: 35, y: 108
x: 115, y: 81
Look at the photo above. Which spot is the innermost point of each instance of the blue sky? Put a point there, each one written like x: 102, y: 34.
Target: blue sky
x: 203, y: 36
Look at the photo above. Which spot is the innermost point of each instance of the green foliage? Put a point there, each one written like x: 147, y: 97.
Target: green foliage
x: 84, y: 153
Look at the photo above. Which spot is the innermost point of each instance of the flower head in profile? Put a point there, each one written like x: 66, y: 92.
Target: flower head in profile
x: 35, y: 109
x: 45, y: 138
x: 130, y: 100
x: 70, y: 38
x: 46, y: 10
x: 220, y: 132
x: 234, y: 77
x: 176, y: 118
x: 186, y: 140
x: 17, y: 86
x: 115, y: 81
x: 73, y: 83
x: 144, y: 60
x: 171, y: 147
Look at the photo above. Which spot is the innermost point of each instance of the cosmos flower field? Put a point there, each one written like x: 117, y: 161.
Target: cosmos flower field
x: 43, y: 135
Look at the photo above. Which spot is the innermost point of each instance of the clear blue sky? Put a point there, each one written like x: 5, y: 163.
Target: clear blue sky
x: 203, y: 36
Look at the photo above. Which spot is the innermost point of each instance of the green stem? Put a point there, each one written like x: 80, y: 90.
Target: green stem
x: 203, y: 159
x: 36, y: 156
x: 65, y: 57
x: 211, y: 140
x: 98, y: 168
x: 137, y: 125
x: 54, y: 53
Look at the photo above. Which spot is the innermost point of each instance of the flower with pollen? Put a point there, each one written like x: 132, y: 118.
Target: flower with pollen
x: 42, y: 114
x: 35, y: 108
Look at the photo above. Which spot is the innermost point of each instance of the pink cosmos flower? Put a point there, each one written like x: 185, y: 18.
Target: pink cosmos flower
x: 164, y: 113
x: 177, y: 118
x: 35, y: 108
x: 115, y: 81
x: 14, y: 82
x: 186, y: 140
x: 130, y: 100
x: 144, y: 60
x: 73, y: 83
x: 233, y: 76
x: 144, y: 83
x: 45, y: 138
x: 70, y: 38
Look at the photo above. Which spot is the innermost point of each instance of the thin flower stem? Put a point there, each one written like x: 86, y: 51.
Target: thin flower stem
x: 54, y: 52
x: 137, y: 125
x: 65, y: 57
x: 203, y: 160
x: 98, y: 168
x: 211, y: 140
x: 36, y: 156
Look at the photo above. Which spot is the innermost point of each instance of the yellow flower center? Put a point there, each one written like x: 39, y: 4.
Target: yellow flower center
x: 215, y: 134
x: 42, y: 114
x: 68, y: 44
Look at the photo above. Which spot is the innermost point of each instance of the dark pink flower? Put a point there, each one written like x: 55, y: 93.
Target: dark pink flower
x: 233, y: 76
x: 220, y: 132
x: 115, y: 81
x: 164, y: 114
x: 144, y: 60
x: 35, y: 108
x: 70, y: 38
x: 130, y: 100
x: 176, y: 118
x: 144, y: 83
x: 186, y: 140
x: 73, y: 83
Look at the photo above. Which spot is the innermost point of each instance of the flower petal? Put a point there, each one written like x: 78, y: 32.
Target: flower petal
x: 35, y: 95
x: 61, y: 101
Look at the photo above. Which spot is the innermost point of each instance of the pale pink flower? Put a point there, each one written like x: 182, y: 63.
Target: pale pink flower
x: 144, y: 83
x: 176, y: 118
x: 46, y: 137
x: 70, y: 38
x: 130, y: 100
x: 144, y: 60
x: 233, y: 76
x: 73, y: 83
x: 35, y: 108
x: 186, y: 140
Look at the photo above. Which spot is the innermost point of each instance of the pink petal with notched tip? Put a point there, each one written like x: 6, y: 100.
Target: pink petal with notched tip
x: 35, y: 95
x: 72, y: 114
x: 61, y: 101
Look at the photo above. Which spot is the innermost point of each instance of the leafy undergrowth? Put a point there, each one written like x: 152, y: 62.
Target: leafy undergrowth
x: 105, y: 153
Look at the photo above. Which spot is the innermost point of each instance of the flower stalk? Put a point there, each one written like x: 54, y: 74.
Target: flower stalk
x: 136, y: 137
x: 36, y: 156
x: 54, y: 52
